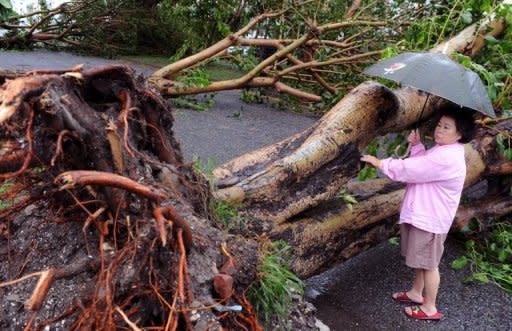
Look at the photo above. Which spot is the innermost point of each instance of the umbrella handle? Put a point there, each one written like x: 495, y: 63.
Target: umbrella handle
x: 406, y: 153
x: 422, y: 109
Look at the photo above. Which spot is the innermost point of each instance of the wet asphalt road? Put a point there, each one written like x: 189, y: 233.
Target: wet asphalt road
x: 354, y: 295
x: 357, y: 295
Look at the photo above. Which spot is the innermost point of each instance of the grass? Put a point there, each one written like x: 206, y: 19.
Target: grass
x: 222, y: 70
x: 156, y: 61
x: 490, y: 258
x: 4, y: 189
x: 272, y: 292
x: 225, y: 212
x: 228, y: 215
x: 206, y: 167
x: 218, y: 70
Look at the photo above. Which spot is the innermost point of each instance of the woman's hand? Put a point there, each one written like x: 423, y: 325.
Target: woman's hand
x: 372, y: 160
x: 414, y: 137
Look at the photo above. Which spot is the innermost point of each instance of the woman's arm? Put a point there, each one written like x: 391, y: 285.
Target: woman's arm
x: 419, y: 169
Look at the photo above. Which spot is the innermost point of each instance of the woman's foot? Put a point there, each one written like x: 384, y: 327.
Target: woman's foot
x: 422, y: 313
x: 408, y: 297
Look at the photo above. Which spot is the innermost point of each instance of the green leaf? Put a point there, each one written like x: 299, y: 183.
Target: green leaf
x: 502, y: 255
x: 6, y: 4
x: 460, y: 262
x: 349, y: 199
x: 508, y: 154
x: 389, y: 52
x: 491, y: 40
x: 467, y: 18
x: 481, y: 277
x: 500, y: 141
x: 395, y: 241
x: 470, y: 244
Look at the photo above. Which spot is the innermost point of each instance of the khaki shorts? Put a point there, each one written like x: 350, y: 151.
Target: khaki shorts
x: 421, y: 249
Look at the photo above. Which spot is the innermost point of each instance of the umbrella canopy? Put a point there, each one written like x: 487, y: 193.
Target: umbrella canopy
x: 436, y: 74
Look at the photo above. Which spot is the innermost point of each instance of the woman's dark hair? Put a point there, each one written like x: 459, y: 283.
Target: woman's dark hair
x: 464, y: 121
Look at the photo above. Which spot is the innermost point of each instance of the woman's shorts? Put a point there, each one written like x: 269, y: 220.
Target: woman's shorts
x: 421, y: 249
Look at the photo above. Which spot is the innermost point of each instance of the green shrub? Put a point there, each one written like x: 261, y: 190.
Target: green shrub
x: 490, y: 259
x: 275, y: 284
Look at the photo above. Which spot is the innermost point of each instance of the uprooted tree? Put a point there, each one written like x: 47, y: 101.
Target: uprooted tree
x: 107, y: 159
x: 90, y: 156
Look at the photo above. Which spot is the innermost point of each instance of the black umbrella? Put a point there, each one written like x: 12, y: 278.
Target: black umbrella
x: 436, y: 74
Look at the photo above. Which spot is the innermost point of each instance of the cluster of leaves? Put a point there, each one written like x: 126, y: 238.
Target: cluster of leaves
x: 493, y: 63
x: 295, y: 22
x: 347, y: 198
x: 144, y: 27
x: 368, y: 171
x: 490, y: 258
x: 200, y: 77
x: 6, y: 9
x: 429, y: 24
x: 505, y: 145
x: 252, y: 95
x: 272, y: 292
x: 197, y: 76
x: 102, y: 27
x: 191, y: 102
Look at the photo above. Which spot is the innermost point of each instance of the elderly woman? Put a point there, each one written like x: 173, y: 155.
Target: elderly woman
x: 435, y: 179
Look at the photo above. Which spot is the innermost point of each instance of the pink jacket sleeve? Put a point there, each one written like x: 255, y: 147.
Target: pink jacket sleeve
x: 421, y: 168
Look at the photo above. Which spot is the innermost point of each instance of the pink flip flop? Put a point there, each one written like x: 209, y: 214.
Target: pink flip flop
x: 403, y: 297
x: 419, y: 314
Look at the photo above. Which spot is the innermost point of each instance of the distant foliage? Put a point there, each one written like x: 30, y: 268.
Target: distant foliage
x: 6, y: 9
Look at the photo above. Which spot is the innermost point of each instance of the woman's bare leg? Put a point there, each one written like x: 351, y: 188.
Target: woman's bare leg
x: 432, y: 280
x: 416, y: 292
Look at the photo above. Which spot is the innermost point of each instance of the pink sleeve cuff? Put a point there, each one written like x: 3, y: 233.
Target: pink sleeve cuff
x: 417, y: 149
x: 384, y: 166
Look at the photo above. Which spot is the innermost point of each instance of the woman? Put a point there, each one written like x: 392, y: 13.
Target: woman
x: 435, y: 179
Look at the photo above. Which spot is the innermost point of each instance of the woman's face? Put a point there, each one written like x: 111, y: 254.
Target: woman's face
x: 446, y: 131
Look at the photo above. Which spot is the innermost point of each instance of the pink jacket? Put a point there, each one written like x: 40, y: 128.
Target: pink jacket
x: 435, y: 179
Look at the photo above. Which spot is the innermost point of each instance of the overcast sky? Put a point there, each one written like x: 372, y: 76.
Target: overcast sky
x: 20, y: 6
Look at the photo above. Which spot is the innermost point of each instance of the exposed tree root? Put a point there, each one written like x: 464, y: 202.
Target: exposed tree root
x: 105, y: 154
